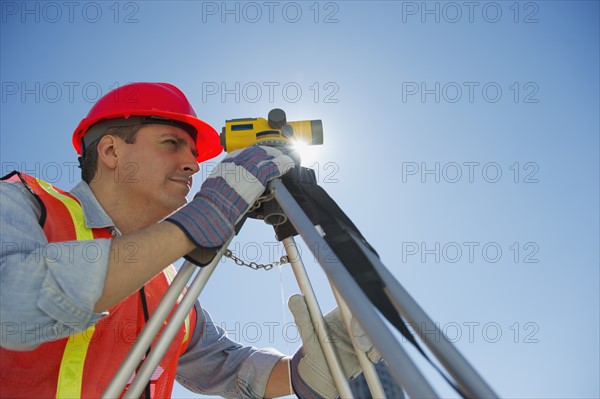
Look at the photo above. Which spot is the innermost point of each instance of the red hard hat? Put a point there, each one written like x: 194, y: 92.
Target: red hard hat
x: 159, y: 100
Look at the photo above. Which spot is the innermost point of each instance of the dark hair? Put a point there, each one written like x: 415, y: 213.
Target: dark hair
x: 89, y: 163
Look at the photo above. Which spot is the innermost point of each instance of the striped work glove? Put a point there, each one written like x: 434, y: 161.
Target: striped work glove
x: 236, y: 183
x: 309, y: 371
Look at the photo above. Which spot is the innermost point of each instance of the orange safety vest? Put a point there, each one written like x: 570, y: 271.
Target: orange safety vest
x: 83, y: 365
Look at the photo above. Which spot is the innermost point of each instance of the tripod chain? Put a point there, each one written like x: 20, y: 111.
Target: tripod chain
x: 253, y: 265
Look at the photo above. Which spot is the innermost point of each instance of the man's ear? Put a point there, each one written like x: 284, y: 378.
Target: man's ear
x: 108, y: 151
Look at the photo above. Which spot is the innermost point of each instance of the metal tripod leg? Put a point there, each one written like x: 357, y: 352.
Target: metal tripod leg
x: 317, y: 316
x: 336, y: 371
x: 463, y: 373
x: 402, y: 367
x: 135, y: 355
x: 367, y: 367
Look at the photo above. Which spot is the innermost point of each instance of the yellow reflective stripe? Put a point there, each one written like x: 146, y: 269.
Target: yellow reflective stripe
x: 187, y: 328
x: 170, y: 273
x: 82, y: 232
x: 70, y: 376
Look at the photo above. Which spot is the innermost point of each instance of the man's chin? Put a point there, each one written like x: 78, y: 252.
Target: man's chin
x: 174, y: 203
x: 178, y: 197
x: 180, y: 203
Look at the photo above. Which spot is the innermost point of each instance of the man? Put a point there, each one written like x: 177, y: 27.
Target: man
x: 69, y: 318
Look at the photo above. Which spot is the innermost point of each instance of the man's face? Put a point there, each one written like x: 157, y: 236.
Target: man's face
x: 157, y: 169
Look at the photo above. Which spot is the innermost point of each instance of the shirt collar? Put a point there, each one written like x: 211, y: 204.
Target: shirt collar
x: 95, y: 216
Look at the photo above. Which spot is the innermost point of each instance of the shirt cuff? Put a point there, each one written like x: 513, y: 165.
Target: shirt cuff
x: 256, y: 370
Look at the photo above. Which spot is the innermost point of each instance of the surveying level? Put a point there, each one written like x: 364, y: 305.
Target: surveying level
x: 276, y: 131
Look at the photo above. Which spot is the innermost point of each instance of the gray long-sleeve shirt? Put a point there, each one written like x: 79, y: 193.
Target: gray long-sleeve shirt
x: 48, y: 291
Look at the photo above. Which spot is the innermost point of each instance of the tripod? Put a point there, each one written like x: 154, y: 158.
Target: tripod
x: 362, y: 285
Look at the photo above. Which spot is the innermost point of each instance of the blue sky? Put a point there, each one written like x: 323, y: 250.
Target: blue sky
x: 460, y: 137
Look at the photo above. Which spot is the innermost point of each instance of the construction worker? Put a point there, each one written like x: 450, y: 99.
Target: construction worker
x: 83, y: 270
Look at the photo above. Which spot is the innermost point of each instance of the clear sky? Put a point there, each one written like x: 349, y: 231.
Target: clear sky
x: 460, y: 137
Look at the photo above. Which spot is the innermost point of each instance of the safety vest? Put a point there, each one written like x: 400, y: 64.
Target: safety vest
x: 82, y: 365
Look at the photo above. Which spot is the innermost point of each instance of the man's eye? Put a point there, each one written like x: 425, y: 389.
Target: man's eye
x: 174, y: 142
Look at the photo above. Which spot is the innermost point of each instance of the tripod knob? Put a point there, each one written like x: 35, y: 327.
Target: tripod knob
x: 277, y: 118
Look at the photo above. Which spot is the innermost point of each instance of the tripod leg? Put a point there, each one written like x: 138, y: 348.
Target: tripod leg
x: 317, y: 316
x: 367, y: 367
x: 137, y: 352
x: 462, y: 372
x: 167, y: 336
x: 400, y: 364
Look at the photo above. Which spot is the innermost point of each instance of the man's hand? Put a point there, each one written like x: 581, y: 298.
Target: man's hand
x: 310, y: 374
x: 235, y: 184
